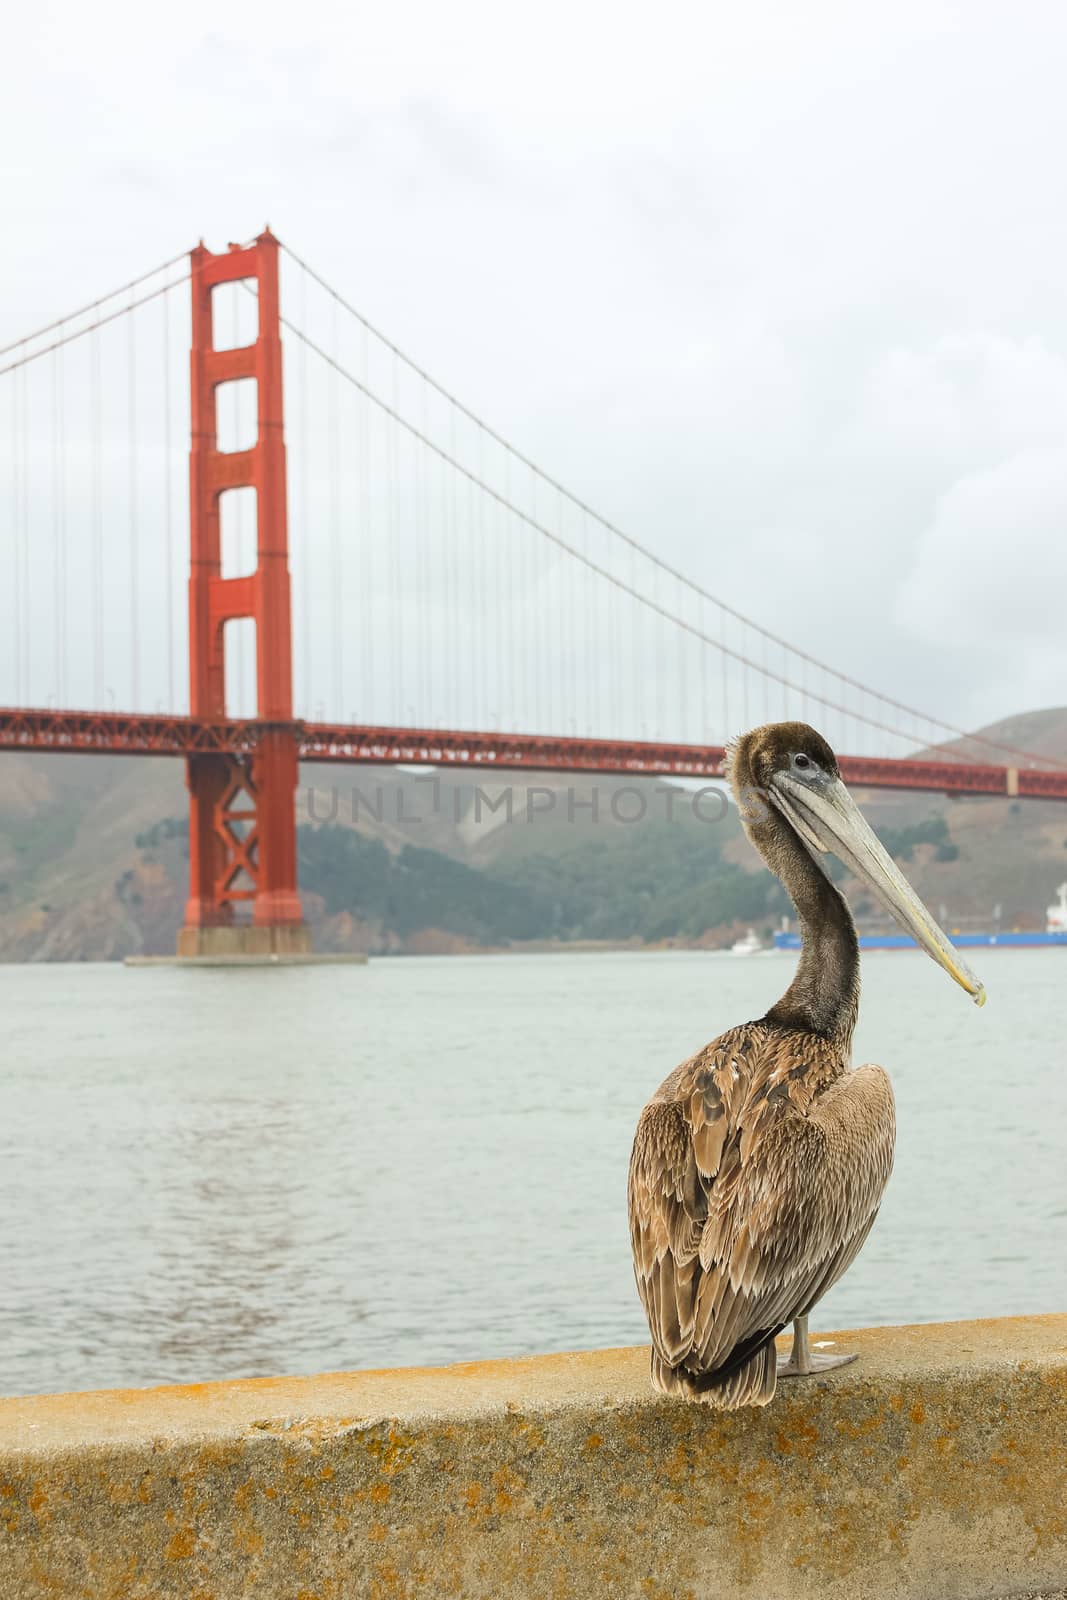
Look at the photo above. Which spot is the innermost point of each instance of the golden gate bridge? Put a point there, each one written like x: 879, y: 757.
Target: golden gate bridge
x: 353, y: 566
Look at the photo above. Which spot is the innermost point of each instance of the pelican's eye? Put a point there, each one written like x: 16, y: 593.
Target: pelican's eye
x: 803, y: 763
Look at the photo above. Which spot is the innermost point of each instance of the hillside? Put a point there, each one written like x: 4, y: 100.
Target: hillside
x: 1013, y: 853
x: 1042, y: 732
x: 93, y: 857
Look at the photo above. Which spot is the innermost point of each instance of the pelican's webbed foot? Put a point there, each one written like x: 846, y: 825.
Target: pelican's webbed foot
x: 803, y: 1361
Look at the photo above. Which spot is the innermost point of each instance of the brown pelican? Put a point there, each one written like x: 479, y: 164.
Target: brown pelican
x: 759, y: 1165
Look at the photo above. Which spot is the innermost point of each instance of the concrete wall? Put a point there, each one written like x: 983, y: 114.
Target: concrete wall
x: 935, y: 1467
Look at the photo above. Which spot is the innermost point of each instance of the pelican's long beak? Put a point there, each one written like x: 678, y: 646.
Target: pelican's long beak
x: 827, y: 818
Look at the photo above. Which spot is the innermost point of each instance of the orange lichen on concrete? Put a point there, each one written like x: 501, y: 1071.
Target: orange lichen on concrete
x: 933, y: 1469
x: 181, y: 1546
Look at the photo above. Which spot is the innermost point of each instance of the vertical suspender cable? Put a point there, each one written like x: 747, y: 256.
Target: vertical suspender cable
x: 61, y: 420
x: 474, y: 628
x: 16, y: 543
x: 567, y: 651
x: 602, y: 647
x: 395, y: 686
x: 420, y: 633
x: 505, y: 636
x: 420, y: 692
x: 57, y: 570
x: 27, y: 562
x: 704, y: 658
x: 557, y: 612
x: 409, y: 569
x: 168, y: 506
x: 366, y: 544
x: 492, y: 673
x: 530, y: 620
x: 551, y: 606
x: 742, y: 645
x: 551, y: 653
x: 434, y: 643
x: 499, y: 673
x: 135, y: 641
x: 26, y: 628
x: 867, y: 731
x: 591, y: 696
x: 168, y: 517
x: 724, y: 668
x: 453, y: 620
x: 635, y: 657
x: 490, y: 623
x: 659, y: 661
x: 682, y: 697
x: 509, y: 556
x: 97, y: 519
x: 533, y: 601
x: 486, y: 666
x: 615, y: 601
x: 336, y: 558
x: 456, y: 564
x: 305, y: 523
x: 485, y: 672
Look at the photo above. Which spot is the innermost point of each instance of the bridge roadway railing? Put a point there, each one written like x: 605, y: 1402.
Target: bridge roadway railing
x: 132, y: 733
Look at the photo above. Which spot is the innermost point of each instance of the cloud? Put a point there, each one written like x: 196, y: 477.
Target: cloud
x: 992, y: 565
x: 966, y: 398
x: 977, y: 424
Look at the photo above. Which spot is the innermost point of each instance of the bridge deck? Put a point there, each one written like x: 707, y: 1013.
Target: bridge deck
x: 127, y: 733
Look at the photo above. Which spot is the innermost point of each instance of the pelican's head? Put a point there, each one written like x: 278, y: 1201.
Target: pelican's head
x: 791, y: 766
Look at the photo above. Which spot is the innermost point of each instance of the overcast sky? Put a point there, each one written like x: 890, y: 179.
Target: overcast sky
x: 780, y: 288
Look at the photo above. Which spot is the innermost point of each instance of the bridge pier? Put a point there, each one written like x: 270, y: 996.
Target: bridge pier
x: 243, y: 940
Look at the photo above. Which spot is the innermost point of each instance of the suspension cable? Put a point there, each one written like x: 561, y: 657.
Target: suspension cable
x: 634, y: 593
x: 630, y: 588
x: 740, y: 617
x: 92, y: 327
x: 83, y: 311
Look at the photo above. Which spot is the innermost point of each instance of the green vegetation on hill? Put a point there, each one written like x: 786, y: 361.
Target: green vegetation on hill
x: 901, y: 842
x: 645, y: 883
x: 649, y: 883
x: 162, y: 832
x: 37, y: 839
x: 413, y: 889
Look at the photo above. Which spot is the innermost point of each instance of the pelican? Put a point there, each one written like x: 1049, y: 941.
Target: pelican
x: 759, y: 1165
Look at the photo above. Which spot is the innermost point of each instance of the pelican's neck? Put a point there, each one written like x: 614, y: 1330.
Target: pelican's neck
x: 824, y: 995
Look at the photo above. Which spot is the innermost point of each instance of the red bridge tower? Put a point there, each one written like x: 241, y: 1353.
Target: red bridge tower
x: 243, y: 897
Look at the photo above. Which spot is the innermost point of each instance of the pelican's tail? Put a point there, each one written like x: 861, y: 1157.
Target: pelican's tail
x: 749, y: 1381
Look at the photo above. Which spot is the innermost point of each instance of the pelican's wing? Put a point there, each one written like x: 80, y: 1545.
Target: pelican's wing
x: 741, y: 1226
x: 668, y: 1206
x: 681, y: 1138
x: 792, y: 1207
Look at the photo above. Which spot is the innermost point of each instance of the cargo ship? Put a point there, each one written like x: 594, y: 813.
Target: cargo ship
x: 1009, y: 938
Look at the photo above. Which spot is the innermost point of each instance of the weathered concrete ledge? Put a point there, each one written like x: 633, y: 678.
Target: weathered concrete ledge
x: 933, y: 1469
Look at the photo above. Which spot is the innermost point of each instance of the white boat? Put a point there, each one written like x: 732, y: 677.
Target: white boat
x: 1056, y: 916
x: 750, y: 945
